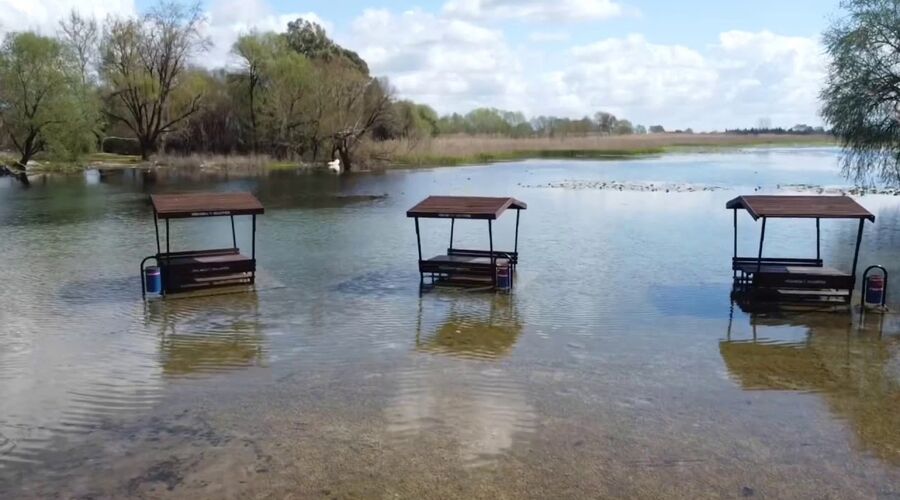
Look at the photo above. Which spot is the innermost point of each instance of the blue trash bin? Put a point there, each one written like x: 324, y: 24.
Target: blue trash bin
x: 153, y: 279
x: 503, y: 275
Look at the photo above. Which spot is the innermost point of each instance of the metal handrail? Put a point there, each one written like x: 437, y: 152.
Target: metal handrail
x: 143, y: 278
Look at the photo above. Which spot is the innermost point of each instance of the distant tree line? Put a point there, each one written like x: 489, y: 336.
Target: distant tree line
x: 800, y: 129
x: 491, y: 121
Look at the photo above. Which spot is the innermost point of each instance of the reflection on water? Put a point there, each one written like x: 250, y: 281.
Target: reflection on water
x: 479, y: 407
x: 487, y: 329
x: 50, y: 390
x: 209, y: 334
x: 855, y: 368
x: 91, y: 373
x: 481, y: 410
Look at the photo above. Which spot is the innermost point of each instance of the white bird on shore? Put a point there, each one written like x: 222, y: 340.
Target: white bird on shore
x: 335, y: 165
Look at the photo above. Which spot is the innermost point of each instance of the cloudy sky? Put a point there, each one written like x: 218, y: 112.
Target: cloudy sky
x: 706, y: 64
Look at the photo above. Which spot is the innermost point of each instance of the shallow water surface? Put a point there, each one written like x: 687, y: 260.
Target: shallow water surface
x: 617, y: 368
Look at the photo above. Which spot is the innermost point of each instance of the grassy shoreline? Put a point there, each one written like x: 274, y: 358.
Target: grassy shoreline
x: 426, y: 160
x: 461, y: 150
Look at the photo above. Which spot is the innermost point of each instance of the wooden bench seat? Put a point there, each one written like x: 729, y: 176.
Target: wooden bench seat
x: 185, y: 271
x: 195, y: 260
x: 795, y: 282
x: 469, y: 259
x: 460, y: 264
x: 511, y: 257
x: 796, y: 270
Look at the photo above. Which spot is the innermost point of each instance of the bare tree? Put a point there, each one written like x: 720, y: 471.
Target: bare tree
x: 606, y: 122
x: 81, y: 37
x: 143, y: 64
x: 358, y: 105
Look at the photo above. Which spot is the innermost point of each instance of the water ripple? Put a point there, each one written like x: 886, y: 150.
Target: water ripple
x: 479, y: 413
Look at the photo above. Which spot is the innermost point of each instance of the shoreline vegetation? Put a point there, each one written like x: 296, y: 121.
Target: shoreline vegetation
x: 452, y: 150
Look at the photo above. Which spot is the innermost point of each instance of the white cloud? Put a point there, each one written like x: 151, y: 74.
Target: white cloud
x: 732, y: 83
x: 626, y: 73
x: 226, y: 20
x: 549, y: 36
x: 449, y: 63
x: 43, y: 16
x: 771, y: 75
x: 536, y: 10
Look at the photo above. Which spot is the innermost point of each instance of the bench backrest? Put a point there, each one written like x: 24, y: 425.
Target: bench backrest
x: 742, y: 262
x: 512, y: 257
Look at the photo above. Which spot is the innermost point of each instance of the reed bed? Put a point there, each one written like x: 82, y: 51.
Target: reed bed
x: 458, y: 149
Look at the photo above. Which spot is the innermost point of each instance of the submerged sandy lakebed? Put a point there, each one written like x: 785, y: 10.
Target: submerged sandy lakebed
x: 617, y: 368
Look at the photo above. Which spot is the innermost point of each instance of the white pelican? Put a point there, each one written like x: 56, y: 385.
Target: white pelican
x: 335, y: 165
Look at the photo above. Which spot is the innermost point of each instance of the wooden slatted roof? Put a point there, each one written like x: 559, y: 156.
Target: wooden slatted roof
x: 180, y: 206
x: 801, y: 207
x: 464, y: 207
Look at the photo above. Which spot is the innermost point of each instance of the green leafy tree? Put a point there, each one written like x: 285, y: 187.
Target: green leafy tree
x: 453, y: 123
x: 216, y: 127
x: 623, y: 127
x: 429, y: 119
x: 522, y: 130
x: 862, y: 93
x: 144, y: 62
x: 487, y: 121
x: 257, y: 51
x: 411, y: 121
x: 286, y: 104
x: 311, y: 40
x: 42, y: 105
x: 583, y: 126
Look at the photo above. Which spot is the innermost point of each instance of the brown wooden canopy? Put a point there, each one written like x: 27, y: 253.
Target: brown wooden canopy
x: 801, y: 207
x: 180, y: 206
x: 464, y: 207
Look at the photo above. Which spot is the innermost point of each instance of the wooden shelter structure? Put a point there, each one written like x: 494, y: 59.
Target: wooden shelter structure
x: 466, y: 267
x: 789, y: 279
x: 187, y: 271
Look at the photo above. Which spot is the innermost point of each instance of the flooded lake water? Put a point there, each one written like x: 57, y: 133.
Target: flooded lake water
x: 617, y: 368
